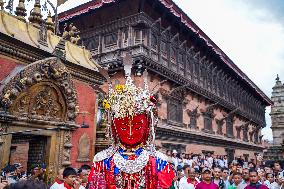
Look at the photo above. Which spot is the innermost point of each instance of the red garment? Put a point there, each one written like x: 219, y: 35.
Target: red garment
x: 67, y: 186
x: 203, y: 185
x: 194, y: 182
x: 102, y: 178
x: 261, y: 186
x: 165, y: 177
x: 58, y: 181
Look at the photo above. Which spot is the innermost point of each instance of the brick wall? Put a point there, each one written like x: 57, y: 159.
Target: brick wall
x: 86, y: 102
x: 19, y: 154
x: 6, y: 66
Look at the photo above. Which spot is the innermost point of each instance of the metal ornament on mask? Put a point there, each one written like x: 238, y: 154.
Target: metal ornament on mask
x: 141, y: 103
x: 120, y: 107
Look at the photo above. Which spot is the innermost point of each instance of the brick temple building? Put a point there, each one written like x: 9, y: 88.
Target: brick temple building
x: 44, y: 83
x: 207, y: 104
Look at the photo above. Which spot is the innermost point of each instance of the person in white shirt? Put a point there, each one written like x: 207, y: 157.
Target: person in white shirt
x: 221, y: 163
x: 188, y: 180
x: 175, y: 159
x: 210, y: 160
x: 225, y: 160
x: 69, y: 176
x: 189, y: 160
x: 59, y: 179
x: 270, y: 181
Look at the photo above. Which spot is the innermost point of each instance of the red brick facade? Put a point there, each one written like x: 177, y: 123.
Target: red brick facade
x: 86, y: 103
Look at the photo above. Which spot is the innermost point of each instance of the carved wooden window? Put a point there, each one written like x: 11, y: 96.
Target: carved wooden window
x: 125, y: 36
x: 164, y: 48
x: 111, y: 39
x: 173, y: 54
x: 175, y: 110
x: 92, y: 43
x: 140, y: 36
x: 181, y: 58
x: 154, y: 41
x: 229, y: 127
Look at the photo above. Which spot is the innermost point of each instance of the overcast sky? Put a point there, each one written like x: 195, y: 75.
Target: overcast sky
x: 250, y: 32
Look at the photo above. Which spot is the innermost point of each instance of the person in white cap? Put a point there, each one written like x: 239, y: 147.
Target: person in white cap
x: 175, y: 159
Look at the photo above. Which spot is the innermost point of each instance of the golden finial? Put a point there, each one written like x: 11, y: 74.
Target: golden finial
x: 21, y: 10
x: 49, y: 23
x: 36, y: 17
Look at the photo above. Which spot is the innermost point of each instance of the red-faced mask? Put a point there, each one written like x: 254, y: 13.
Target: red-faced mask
x: 131, y: 132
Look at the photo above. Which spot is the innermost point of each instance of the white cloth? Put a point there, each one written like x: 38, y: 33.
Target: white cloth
x: 175, y: 161
x: 57, y: 186
x: 210, y: 162
x: 183, y: 184
x: 221, y: 163
x: 225, y: 163
x: 273, y: 185
x: 189, y: 162
x: 82, y: 187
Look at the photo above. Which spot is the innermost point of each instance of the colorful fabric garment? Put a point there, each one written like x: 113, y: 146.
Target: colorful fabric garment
x: 60, y: 186
x: 185, y: 183
x: 240, y: 186
x: 256, y: 186
x: 203, y: 185
x: 106, y: 174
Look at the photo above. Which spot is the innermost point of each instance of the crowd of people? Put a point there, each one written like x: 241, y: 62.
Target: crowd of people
x: 14, y: 177
x: 192, y: 172
x: 195, y: 171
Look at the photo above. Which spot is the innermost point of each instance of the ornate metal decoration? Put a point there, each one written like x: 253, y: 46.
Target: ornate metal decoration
x: 107, y: 153
x: 71, y: 33
x: 131, y: 166
x: 66, y: 161
x: 43, y: 34
x: 21, y: 10
x: 36, y: 16
x: 42, y: 90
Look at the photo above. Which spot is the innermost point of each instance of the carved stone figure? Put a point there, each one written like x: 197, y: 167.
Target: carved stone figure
x: 84, y: 148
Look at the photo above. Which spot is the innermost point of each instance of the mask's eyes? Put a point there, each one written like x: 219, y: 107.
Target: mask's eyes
x: 123, y: 126
x: 137, y: 125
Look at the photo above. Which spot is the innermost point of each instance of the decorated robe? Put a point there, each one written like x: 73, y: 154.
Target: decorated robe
x: 113, y: 169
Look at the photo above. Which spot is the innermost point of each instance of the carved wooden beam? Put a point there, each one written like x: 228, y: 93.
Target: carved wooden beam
x: 166, y: 30
x: 184, y: 42
x: 174, y: 37
x: 159, y: 20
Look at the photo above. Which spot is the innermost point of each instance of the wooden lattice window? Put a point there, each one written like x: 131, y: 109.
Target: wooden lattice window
x: 110, y: 39
x: 92, y: 43
x: 164, y: 48
x: 173, y: 53
x: 154, y: 41
x: 175, y: 110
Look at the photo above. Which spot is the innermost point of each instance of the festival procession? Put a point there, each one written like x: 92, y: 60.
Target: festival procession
x: 134, y: 94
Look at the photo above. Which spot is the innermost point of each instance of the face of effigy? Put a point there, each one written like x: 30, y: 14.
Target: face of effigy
x: 132, y: 132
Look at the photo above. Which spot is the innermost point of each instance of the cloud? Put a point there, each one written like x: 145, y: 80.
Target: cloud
x: 252, y: 36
